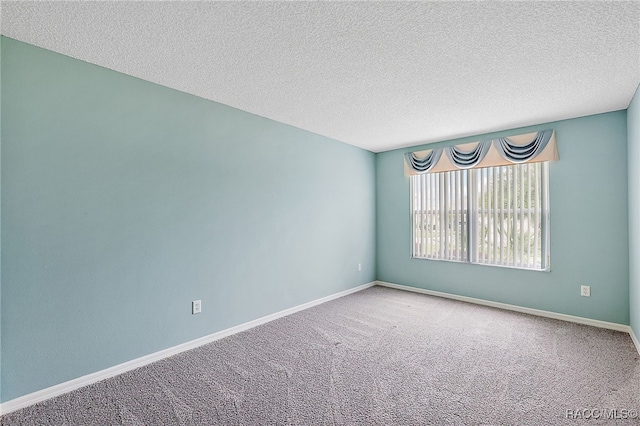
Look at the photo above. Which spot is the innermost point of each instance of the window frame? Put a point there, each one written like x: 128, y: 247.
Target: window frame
x: 471, y: 222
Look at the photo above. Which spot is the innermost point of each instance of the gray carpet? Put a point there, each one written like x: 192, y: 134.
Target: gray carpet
x: 379, y: 356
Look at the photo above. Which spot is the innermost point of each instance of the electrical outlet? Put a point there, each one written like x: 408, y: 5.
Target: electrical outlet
x: 196, y: 307
x: 585, y: 291
x: 359, y: 267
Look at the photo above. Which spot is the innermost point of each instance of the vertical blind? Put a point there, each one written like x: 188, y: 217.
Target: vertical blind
x: 440, y: 215
x: 493, y: 215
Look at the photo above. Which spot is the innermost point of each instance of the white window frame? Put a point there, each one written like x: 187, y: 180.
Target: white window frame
x: 467, y: 213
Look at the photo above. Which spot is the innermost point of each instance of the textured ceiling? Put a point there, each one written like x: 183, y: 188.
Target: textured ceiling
x: 378, y: 75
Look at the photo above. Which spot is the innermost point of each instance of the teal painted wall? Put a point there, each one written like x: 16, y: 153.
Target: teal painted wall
x: 633, y: 134
x: 589, y: 240
x: 123, y: 201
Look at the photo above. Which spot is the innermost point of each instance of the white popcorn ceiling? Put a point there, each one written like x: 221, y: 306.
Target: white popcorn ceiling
x: 378, y: 75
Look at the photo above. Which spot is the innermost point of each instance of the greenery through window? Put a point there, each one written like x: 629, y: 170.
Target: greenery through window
x: 492, y: 216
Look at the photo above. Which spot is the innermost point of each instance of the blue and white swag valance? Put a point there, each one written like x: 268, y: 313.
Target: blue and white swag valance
x: 526, y: 148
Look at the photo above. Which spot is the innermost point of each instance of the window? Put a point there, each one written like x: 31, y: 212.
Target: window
x: 492, y: 216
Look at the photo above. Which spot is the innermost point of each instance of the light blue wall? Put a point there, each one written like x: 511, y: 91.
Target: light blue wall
x: 633, y: 134
x: 589, y: 242
x: 123, y: 201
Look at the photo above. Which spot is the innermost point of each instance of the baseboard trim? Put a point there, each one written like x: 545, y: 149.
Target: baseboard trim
x: 62, y: 388
x: 515, y: 308
x: 636, y: 342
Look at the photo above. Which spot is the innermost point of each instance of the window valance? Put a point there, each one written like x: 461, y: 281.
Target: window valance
x: 525, y: 148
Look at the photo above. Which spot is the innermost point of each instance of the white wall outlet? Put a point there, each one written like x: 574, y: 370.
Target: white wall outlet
x: 585, y: 291
x: 196, y: 307
x: 359, y: 267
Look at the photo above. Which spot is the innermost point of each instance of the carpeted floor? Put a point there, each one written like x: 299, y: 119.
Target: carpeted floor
x: 379, y: 356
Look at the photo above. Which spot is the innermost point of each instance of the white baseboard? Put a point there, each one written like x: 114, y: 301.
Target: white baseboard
x: 59, y: 389
x: 531, y: 311
x: 635, y: 339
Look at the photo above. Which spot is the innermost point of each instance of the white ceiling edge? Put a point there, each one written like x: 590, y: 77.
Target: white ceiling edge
x: 506, y: 127
x: 379, y: 76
